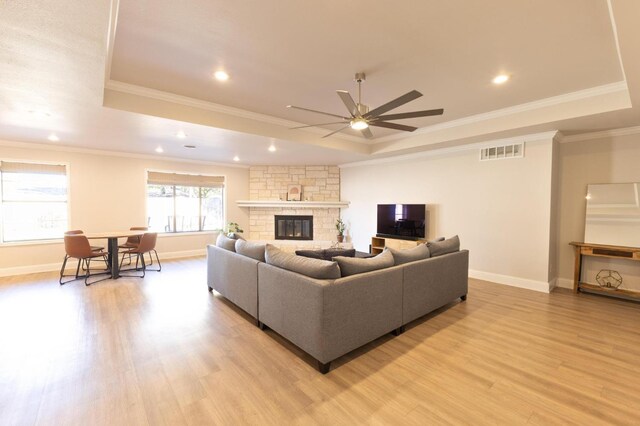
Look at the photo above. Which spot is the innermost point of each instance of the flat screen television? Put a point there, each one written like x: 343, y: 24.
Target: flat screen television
x: 404, y: 221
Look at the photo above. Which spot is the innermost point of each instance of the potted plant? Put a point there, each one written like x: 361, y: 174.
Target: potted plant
x: 232, y: 229
x: 340, y: 226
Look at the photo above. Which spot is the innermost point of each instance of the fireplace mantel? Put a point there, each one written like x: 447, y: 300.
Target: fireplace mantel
x: 293, y: 204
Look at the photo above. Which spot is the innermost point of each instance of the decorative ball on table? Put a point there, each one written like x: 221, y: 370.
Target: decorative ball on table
x: 608, y: 278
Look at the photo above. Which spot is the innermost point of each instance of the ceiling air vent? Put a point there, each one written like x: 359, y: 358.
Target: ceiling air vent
x: 515, y: 150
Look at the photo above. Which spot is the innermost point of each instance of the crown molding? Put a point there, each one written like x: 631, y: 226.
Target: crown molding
x: 437, y: 152
x: 66, y: 148
x: 625, y: 131
x: 620, y: 86
x: 132, y: 89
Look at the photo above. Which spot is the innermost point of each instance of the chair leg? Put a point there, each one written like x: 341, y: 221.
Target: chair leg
x: 64, y: 264
x: 150, y: 259
x: 78, y: 268
x: 86, y: 277
x: 157, y: 259
x: 144, y: 266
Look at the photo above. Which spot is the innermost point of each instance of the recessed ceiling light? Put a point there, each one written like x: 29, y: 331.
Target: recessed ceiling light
x: 53, y: 137
x: 272, y: 148
x: 39, y: 114
x: 221, y: 76
x: 236, y: 158
x: 159, y: 150
x: 181, y: 135
x: 499, y: 79
x: 190, y: 146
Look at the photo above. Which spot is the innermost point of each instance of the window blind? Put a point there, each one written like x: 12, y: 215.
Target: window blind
x: 47, y: 169
x: 159, y: 178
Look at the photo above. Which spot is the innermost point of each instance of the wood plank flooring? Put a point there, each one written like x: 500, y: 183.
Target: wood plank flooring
x: 164, y: 351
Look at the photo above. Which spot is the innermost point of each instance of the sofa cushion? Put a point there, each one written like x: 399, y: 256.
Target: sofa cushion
x: 327, y: 254
x: 314, y: 268
x: 356, y: 265
x: 419, y: 252
x: 249, y: 249
x: 225, y: 242
x: 449, y: 245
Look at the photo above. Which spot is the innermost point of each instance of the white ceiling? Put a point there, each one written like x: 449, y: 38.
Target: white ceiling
x: 159, y: 57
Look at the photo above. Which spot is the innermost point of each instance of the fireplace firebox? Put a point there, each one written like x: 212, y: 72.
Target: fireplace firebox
x: 294, y: 227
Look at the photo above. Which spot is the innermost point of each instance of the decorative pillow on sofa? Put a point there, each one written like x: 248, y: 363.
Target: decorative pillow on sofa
x: 225, y: 242
x: 327, y: 254
x: 356, y: 265
x: 435, y: 240
x: 443, y: 247
x: 314, y: 268
x: 249, y: 249
x: 419, y: 252
x: 314, y: 254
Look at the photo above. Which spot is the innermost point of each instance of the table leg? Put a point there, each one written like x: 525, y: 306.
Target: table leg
x: 113, y: 258
x: 577, y: 270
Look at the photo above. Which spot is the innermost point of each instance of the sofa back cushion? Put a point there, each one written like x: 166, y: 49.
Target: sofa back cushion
x: 419, y: 252
x: 314, y: 268
x: 450, y: 245
x: 327, y: 254
x: 249, y: 249
x: 225, y: 242
x: 355, y: 265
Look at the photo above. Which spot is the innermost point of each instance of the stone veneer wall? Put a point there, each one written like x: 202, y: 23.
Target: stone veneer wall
x: 319, y: 183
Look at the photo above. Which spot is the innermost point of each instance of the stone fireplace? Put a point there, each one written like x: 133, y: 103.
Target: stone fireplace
x: 293, y: 227
x: 270, y: 183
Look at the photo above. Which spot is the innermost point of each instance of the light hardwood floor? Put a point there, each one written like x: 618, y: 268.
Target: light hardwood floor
x: 163, y: 350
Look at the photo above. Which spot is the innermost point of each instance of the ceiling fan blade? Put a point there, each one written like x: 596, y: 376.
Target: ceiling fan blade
x: 413, y: 114
x: 336, y: 131
x: 315, y: 125
x: 392, y: 126
x: 407, y: 97
x: 318, y: 112
x: 367, y: 133
x: 349, y: 103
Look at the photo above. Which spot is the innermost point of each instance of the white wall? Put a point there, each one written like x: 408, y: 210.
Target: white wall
x: 606, y: 160
x: 501, y: 209
x: 107, y: 192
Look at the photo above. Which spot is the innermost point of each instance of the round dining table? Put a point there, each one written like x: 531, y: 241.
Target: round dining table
x: 112, y: 237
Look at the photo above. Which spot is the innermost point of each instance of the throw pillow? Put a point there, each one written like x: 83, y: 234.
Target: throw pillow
x: 314, y: 268
x: 435, y: 240
x: 235, y: 236
x: 314, y: 254
x: 443, y: 247
x: 356, y: 265
x: 418, y: 252
x: 249, y: 249
x: 225, y: 242
x: 329, y: 254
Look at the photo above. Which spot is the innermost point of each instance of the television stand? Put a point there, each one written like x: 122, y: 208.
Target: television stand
x: 379, y: 243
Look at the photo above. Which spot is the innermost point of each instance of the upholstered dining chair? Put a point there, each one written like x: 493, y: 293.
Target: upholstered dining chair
x: 78, y: 247
x: 132, y: 242
x: 93, y: 248
x: 147, y: 245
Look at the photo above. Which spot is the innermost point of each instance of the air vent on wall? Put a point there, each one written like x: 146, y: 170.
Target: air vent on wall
x: 515, y: 150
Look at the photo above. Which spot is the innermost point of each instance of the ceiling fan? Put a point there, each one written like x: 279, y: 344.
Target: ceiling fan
x: 360, y: 118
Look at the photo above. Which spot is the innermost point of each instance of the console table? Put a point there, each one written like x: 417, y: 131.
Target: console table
x: 601, y: 250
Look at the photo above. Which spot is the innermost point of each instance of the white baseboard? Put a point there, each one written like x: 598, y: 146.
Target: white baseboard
x: 48, y: 267
x: 564, y: 283
x: 542, y: 286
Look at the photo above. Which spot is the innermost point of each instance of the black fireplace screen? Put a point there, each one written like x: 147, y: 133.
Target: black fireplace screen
x: 294, y: 227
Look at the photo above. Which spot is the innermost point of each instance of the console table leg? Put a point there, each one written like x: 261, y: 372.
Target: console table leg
x: 577, y: 270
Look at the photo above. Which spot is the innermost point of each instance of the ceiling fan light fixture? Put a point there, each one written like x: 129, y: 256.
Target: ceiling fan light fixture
x: 359, y: 124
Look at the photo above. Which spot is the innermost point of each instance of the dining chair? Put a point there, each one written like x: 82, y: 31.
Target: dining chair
x: 93, y: 248
x: 132, y: 242
x: 147, y: 245
x: 77, y: 247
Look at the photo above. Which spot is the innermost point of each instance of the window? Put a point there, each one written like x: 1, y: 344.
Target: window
x: 184, y: 203
x: 33, y: 201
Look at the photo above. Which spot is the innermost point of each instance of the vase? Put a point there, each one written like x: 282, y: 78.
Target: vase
x: 340, y: 238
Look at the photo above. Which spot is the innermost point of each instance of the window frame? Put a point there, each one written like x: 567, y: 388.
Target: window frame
x: 67, y: 167
x: 178, y: 233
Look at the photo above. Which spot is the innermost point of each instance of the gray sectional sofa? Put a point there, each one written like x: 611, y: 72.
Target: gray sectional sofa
x: 328, y: 318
